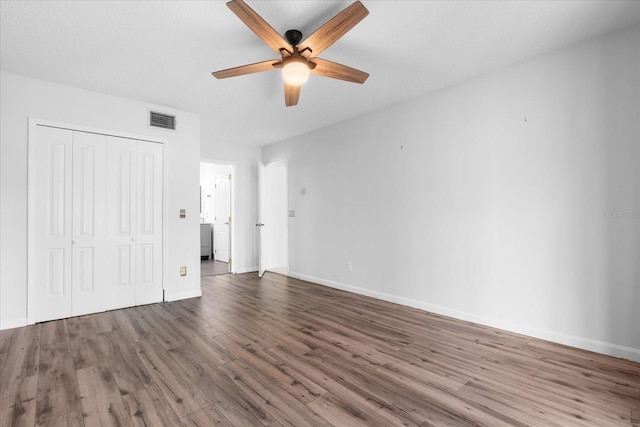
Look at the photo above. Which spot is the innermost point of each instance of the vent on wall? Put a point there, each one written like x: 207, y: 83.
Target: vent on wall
x: 163, y: 121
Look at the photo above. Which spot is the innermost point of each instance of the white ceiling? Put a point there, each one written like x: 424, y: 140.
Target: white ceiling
x: 163, y: 52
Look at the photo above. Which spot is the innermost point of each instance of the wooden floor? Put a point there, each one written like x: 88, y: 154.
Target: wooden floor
x: 278, y: 351
x: 211, y: 267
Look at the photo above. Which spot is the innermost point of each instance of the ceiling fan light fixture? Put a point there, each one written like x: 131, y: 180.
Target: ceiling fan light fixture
x: 299, y: 57
x: 295, y: 71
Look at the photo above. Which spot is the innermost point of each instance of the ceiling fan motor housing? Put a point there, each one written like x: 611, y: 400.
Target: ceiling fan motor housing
x: 294, y: 37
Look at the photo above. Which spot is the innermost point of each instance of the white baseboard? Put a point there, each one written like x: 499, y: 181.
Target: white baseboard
x: 560, y: 338
x: 175, y: 296
x: 13, y: 323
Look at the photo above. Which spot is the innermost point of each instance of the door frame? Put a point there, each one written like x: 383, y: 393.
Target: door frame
x: 232, y: 208
x: 32, y: 140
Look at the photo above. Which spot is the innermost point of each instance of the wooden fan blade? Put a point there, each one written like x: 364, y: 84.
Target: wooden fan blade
x: 246, y: 69
x: 258, y: 25
x: 291, y: 95
x: 333, y: 29
x: 338, y: 71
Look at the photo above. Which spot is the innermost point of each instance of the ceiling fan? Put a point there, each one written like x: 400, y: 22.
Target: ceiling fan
x: 299, y: 58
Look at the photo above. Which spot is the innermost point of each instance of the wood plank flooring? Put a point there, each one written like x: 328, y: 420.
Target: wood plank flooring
x: 277, y: 351
x: 211, y: 267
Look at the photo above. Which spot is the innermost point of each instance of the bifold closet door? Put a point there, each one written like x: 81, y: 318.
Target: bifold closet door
x: 51, y: 211
x: 96, y: 209
x: 149, y: 223
x: 134, y: 222
x: 70, y: 224
x: 88, y: 224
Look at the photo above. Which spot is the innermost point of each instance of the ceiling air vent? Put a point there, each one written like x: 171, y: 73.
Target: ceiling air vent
x: 163, y: 121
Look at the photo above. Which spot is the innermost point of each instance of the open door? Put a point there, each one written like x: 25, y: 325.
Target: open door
x: 222, y: 219
x: 260, y: 224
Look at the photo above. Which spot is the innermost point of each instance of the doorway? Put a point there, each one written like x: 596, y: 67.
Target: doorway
x: 216, y: 195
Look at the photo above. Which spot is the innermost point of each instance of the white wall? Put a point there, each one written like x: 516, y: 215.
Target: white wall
x: 245, y: 187
x: 511, y: 200
x: 21, y: 98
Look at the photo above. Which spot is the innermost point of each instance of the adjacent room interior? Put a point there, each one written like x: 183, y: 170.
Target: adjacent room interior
x: 398, y: 213
x: 215, y: 218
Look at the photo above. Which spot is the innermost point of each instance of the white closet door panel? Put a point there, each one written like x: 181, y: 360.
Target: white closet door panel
x: 89, y: 187
x: 121, y: 222
x: 149, y: 223
x: 51, y: 296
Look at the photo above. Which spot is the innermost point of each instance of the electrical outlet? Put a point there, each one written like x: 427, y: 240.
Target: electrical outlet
x: 349, y: 267
x: 183, y: 270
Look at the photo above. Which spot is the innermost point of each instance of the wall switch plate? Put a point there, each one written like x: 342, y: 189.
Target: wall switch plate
x: 183, y: 213
x: 349, y: 267
x: 183, y: 270
x: 292, y: 213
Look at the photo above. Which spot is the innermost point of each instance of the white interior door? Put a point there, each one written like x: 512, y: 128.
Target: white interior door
x: 222, y: 216
x: 88, y: 218
x: 149, y: 223
x: 50, y: 281
x: 276, y: 217
x: 121, y: 222
x: 260, y: 225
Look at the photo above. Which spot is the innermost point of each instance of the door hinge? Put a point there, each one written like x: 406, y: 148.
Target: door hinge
x: 229, y: 218
x: 229, y: 176
x: 229, y: 261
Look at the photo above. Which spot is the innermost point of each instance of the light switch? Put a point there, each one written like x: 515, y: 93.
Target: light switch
x: 292, y: 213
x: 183, y: 213
x: 183, y: 270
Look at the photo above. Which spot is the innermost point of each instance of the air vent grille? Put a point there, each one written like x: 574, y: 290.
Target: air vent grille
x: 164, y: 121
